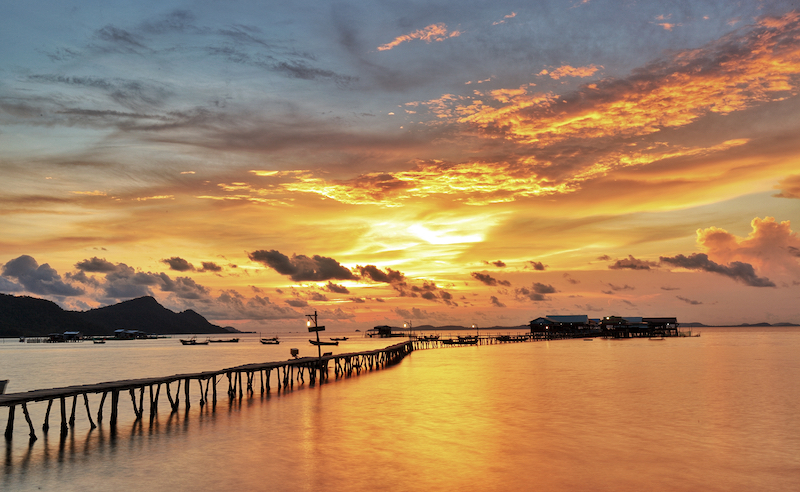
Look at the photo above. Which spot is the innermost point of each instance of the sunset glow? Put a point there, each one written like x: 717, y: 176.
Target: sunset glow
x: 445, y: 165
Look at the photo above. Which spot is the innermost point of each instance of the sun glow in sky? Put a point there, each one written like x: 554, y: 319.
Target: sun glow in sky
x: 440, y: 163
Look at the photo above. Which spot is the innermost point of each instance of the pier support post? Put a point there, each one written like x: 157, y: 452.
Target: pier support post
x: 135, y: 408
x: 72, y: 414
x: 28, y: 419
x: 114, y: 405
x: 215, y: 390
x: 46, y: 424
x: 186, y: 393
x: 64, y: 427
x: 10, y: 424
x: 88, y: 412
x: 100, y: 410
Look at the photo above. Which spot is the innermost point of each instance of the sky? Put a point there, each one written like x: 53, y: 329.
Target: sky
x: 382, y: 162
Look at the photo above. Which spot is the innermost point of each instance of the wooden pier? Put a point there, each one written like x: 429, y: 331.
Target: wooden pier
x: 240, y: 379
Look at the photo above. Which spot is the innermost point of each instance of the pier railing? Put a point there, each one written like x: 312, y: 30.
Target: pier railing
x: 240, y: 379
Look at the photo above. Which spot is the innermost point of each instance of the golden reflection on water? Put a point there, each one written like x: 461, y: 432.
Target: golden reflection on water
x: 710, y: 413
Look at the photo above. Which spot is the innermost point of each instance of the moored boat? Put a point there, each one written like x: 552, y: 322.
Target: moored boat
x: 193, y: 341
x: 230, y: 340
x: 270, y: 341
x: 314, y: 342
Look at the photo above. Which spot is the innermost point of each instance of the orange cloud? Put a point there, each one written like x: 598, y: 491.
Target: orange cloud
x: 569, y: 71
x: 434, y: 32
x: 771, y: 246
x: 730, y: 75
x: 790, y: 187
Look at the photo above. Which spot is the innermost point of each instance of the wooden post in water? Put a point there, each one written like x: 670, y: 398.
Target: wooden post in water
x: 114, y: 405
x: 186, y: 394
x: 100, y: 410
x: 88, y: 412
x: 215, y: 390
x: 28, y: 419
x: 46, y: 424
x: 64, y: 427
x: 72, y: 415
x: 10, y: 423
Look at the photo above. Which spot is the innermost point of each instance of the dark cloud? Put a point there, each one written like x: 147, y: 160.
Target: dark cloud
x: 232, y: 305
x: 377, y: 275
x: 738, y: 271
x: 316, y: 296
x: 536, y: 292
x: 489, y: 280
x: 616, y: 288
x: 689, y: 301
x: 178, y: 264
x: 209, y: 266
x: 537, y: 265
x: 301, y: 268
x: 183, y: 287
x: 337, y: 289
x: 633, y: 264
x: 96, y: 265
x: 9, y: 286
x: 499, y: 263
x: 296, y: 302
x: 38, y: 279
x: 415, y: 313
x: 670, y: 288
x: 571, y: 280
x: 357, y: 300
x: 496, y: 302
x: 604, y: 258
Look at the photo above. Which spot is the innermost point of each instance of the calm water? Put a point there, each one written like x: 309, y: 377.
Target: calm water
x: 714, y: 413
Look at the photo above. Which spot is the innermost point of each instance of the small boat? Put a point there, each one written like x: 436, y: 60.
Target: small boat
x: 99, y: 340
x: 314, y: 342
x: 656, y: 338
x: 193, y: 341
x: 339, y: 339
x: 270, y: 341
x: 230, y: 340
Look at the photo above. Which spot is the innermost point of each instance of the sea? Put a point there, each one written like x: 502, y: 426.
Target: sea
x: 718, y: 412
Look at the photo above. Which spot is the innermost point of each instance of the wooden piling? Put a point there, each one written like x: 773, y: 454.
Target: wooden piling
x: 88, y: 412
x: 28, y: 419
x: 10, y: 423
x: 46, y: 424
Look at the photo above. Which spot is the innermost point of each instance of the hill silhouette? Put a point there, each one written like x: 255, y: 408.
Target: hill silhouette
x: 29, y: 316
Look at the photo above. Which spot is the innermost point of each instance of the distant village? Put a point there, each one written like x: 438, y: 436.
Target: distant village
x: 609, y: 326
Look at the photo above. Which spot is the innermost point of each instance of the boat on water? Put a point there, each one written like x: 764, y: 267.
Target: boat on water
x: 314, y: 342
x: 99, y: 340
x: 270, y: 341
x: 193, y: 341
x: 339, y: 339
x: 230, y: 340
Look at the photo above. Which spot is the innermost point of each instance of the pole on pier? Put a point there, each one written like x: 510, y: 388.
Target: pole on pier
x: 316, y: 329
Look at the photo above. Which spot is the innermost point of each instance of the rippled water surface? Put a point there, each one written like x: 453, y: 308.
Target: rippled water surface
x: 718, y: 412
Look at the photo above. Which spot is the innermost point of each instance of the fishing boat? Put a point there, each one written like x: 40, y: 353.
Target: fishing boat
x: 99, y: 340
x: 270, y: 341
x: 314, y: 342
x: 339, y: 339
x: 193, y: 341
x: 230, y: 340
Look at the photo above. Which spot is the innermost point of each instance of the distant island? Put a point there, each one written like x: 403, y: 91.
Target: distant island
x: 23, y: 316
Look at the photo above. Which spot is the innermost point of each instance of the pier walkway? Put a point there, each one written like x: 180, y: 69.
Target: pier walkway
x: 240, y: 379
